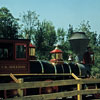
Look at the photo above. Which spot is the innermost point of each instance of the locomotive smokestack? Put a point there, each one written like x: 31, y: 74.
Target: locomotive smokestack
x: 79, y: 42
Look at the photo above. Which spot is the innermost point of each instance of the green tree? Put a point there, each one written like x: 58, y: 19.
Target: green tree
x: 70, y: 31
x: 44, y: 40
x: 98, y: 40
x: 96, y: 68
x: 85, y: 27
x: 8, y: 24
x: 29, y: 24
x: 61, y: 35
x: 62, y: 40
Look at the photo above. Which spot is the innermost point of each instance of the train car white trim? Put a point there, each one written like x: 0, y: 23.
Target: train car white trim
x: 41, y: 66
x: 62, y: 68
x: 55, y: 68
x: 69, y: 68
x: 80, y: 73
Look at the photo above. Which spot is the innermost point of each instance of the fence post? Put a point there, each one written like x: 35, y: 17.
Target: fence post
x: 20, y: 91
x: 79, y: 87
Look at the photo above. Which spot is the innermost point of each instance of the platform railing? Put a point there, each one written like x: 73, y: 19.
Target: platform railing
x: 77, y: 81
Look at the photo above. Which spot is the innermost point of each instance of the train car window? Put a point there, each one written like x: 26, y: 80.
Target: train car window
x: 1, y: 53
x: 6, y: 51
x: 20, y: 51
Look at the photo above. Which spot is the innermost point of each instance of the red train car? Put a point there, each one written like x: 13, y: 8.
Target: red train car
x: 14, y: 56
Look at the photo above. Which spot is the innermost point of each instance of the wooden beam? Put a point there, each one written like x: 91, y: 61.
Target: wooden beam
x: 37, y: 84
x: 14, y: 78
x: 47, y: 96
x: 5, y: 86
x: 55, y: 95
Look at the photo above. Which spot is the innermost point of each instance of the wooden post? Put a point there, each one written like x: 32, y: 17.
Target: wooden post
x: 20, y: 91
x: 79, y: 87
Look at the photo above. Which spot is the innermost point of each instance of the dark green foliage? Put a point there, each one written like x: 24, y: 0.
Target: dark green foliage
x: 29, y: 24
x: 8, y: 24
x: 70, y: 31
x: 62, y: 40
x: 42, y: 34
x: 45, y: 38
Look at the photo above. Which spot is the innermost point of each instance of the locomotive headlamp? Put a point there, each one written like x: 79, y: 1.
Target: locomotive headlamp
x: 56, y: 55
x: 31, y: 50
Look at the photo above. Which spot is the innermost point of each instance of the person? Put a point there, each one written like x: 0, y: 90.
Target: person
x: 76, y: 59
x: 70, y: 59
x: 87, y: 56
x: 88, y: 60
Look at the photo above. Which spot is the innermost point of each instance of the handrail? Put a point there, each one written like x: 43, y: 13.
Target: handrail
x: 74, y: 76
x: 66, y: 74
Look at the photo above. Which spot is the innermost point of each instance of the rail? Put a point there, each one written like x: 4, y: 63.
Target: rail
x: 25, y: 85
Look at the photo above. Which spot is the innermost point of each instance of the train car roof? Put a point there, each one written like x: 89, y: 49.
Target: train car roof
x: 2, y: 40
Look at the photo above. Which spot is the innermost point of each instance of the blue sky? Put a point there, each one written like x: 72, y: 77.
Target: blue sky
x: 60, y: 12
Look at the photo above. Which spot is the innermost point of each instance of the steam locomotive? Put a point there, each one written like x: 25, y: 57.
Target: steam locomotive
x: 18, y: 57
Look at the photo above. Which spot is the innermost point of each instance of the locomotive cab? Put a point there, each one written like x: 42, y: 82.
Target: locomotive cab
x: 14, y: 55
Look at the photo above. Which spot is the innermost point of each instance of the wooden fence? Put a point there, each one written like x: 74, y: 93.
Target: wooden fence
x: 77, y: 81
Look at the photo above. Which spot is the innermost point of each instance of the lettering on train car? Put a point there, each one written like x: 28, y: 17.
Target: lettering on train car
x: 13, y: 66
